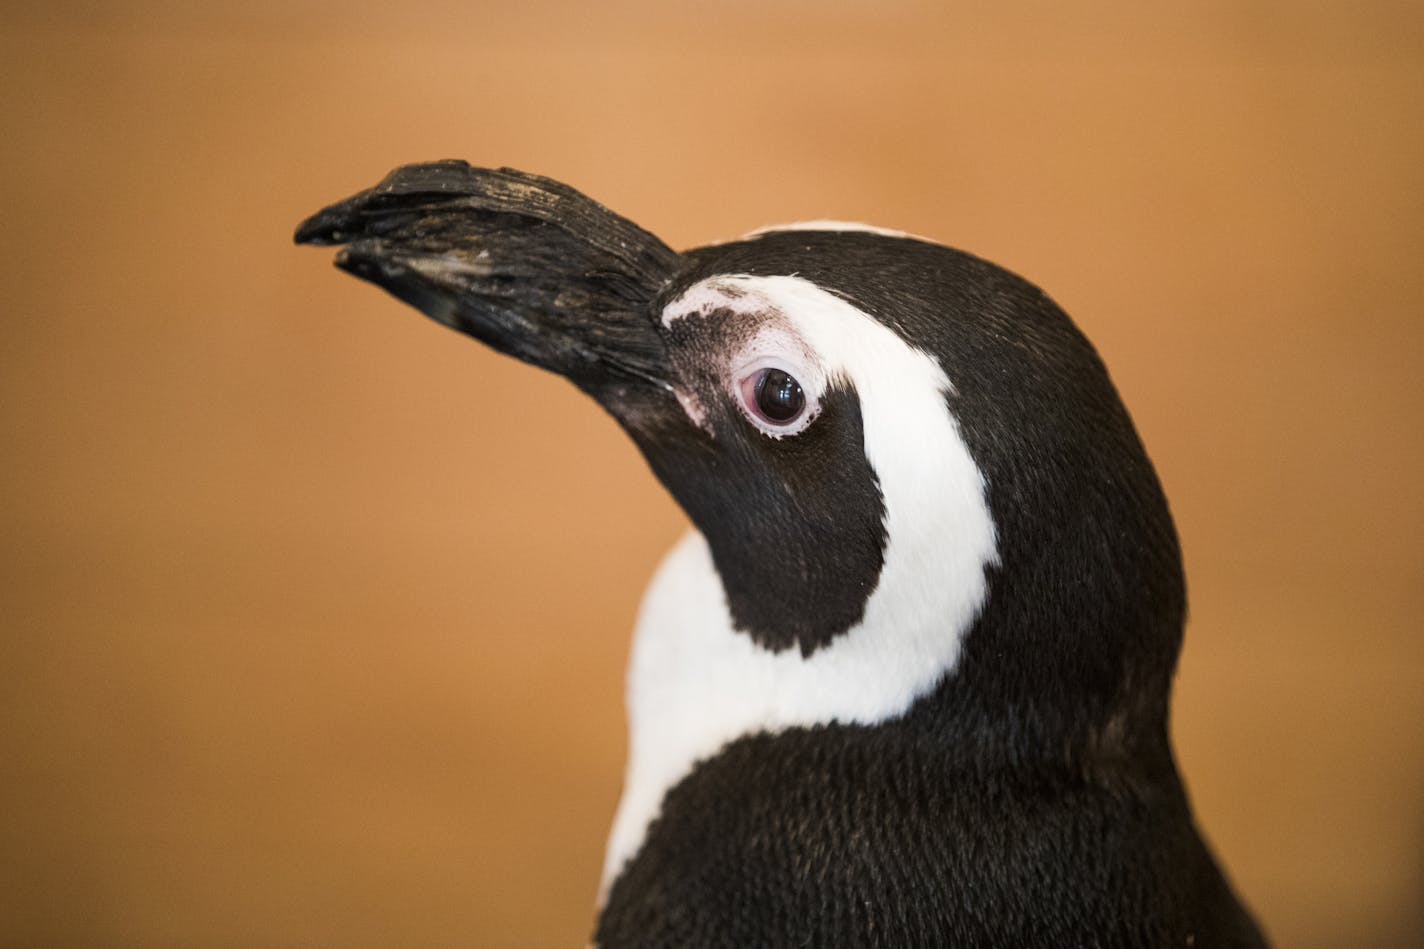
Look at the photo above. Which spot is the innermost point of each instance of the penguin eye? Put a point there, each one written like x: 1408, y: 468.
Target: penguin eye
x: 773, y: 396
x: 779, y: 396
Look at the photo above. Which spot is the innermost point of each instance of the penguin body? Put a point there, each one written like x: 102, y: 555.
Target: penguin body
x: 906, y: 683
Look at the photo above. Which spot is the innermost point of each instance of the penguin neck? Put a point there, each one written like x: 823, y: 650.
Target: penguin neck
x: 697, y: 684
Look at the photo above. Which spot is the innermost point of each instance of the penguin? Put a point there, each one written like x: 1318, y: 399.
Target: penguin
x: 906, y: 681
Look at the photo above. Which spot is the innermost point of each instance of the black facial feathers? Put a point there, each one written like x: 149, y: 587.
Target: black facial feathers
x: 795, y: 525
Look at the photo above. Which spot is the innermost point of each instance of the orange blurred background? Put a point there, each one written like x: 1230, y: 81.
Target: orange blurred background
x: 315, y: 613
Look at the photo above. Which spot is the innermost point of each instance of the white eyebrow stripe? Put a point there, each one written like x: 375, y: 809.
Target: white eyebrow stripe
x: 705, y: 296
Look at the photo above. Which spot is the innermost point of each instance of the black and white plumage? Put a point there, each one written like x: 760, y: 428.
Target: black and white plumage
x: 906, y: 683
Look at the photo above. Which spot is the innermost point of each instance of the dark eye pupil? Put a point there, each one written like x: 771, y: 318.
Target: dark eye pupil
x: 778, y: 396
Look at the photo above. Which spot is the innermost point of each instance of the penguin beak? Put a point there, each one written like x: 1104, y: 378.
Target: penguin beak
x: 525, y: 264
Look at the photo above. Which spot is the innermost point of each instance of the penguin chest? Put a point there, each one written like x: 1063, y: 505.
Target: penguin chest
x: 852, y: 836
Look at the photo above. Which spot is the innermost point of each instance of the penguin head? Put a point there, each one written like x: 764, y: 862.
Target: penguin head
x: 900, y: 455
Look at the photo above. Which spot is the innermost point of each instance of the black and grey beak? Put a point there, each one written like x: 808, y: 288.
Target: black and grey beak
x: 525, y: 264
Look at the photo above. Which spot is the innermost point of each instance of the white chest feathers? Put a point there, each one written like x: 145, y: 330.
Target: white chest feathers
x: 695, y: 683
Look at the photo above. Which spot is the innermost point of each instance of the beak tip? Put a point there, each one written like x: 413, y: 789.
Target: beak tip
x: 322, y: 229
